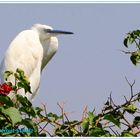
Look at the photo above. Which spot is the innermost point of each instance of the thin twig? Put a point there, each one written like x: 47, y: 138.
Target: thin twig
x: 72, y: 126
x: 129, y: 125
x: 113, y: 131
x: 66, y: 117
x: 43, y: 127
x: 45, y: 110
x: 125, y: 99
x: 111, y: 100
x: 84, y: 112
x: 109, y: 126
x: 131, y: 87
x: 62, y: 111
x: 124, y: 124
x: 117, y: 133
x: 46, y: 131
x: 126, y: 52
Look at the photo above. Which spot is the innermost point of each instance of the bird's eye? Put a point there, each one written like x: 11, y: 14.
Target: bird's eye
x: 47, y: 30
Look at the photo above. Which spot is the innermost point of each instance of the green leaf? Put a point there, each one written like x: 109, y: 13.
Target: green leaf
x: 30, y: 125
x: 19, y: 74
x: 96, y: 132
x: 23, y: 100
x: 38, y: 111
x: 2, y: 117
x: 91, y: 117
x: 61, y: 133
x: 53, y: 117
x: 125, y: 42
x: 25, y: 85
x: 136, y: 32
x: 13, y: 113
x: 20, y: 71
x: 107, y: 134
x: 85, y: 125
x: 74, y: 132
x: 42, y: 135
x: 7, y: 74
x: 130, y: 109
x: 135, y: 57
x: 6, y: 100
x: 112, y: 119
x: 131, y: 40
x: 136, y: 120
x: 28, y: 110
x: 23, y: 81
x: 126, y: 133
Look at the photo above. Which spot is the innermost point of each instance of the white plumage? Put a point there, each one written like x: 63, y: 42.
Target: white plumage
x: 30, y: 51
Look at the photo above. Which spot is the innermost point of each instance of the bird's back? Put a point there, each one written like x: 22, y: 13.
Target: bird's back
x: 25, y: 52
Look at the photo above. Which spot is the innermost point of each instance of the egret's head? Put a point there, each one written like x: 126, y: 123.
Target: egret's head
x: 45, y: 31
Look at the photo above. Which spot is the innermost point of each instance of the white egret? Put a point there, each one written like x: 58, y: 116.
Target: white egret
x: 30, y: 51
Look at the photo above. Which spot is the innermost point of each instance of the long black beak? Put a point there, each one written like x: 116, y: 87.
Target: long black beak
x: 59, y: 32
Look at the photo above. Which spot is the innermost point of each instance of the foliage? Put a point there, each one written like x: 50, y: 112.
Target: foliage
x: 16, y: 116
x: 19, y: 117
x: 133, y: 39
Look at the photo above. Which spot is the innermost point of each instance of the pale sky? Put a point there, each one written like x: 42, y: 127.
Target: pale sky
x: 89, y: 64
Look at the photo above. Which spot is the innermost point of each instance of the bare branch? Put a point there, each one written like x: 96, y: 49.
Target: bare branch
x: 113, y: 131
x: 129, y: 125
x: 62, y: 110
x: 84, y: 112
x: 44, y: 107
x: 111, y: 100
x: 125, y: 99
x: 131, y: 87
x: 126, y: 52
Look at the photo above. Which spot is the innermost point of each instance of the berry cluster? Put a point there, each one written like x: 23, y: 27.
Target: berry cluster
x: 5, y: 89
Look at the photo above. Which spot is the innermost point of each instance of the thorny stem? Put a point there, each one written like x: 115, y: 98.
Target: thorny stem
x: 131, y: 87
x: 72, y: 126
x: 113, y: 131
x: 129, y: 125
x: 66, y: 117
x: 84, y: 112
x: 44, y: 106
x: 121, y: 106
x: 111, y: 100
x: 109, y: 126
x: 132, y: 99
x: 62, y: 111
x: 126, y: 52
x: 43, y: 129
x: 124, y: 124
